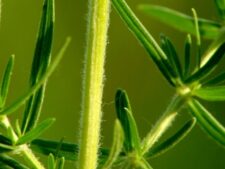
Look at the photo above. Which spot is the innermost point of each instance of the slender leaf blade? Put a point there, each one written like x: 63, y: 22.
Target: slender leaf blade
x: 208, y: 123
x: 187, y: 56
x: 171, y: 141
x: 117, y: 145
x: 215, y: 80
x: 51, y: 161
x: 35, y: 132
x: 41, y: 60
x: 67, y: 150
x: 6, y: 80
x: 123, y: 110
x: 145, y: 39
x: 171, y: 53
x: 154, y: 134
x: 208, y: 29
x: 21, y: 100
x: 216, y: 93
x: 209, y: 66
x: 11, y: 162
x: 220, y: 4
x: 61, y: 163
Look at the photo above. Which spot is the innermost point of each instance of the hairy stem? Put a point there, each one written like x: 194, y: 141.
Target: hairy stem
x: 93, y: 83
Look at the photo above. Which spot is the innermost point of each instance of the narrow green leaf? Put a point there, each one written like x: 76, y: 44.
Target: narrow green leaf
x: 35, y: 132
x: 123, y: 110
x: 154, y: 134
x: 180, y: 21
x: 117, y: 145
x: 67, y: 150
x: 220, y: 4
x: 4, y: 148
x: 145, y: 39
x: 210, y: 125
x: 198, y: 39
x: 209, y: 66
x: 215, y: 80
x: 41, y: 60
x: 171, y: 53
x: 9, y: 161
x: 6, y: 81
x: 20, y: 101
x: 61, y: 163
x: 17, y: 128
x: 187, y: 56
x: 171, y: 141
x: 211, y: 93
x: 51, y: 161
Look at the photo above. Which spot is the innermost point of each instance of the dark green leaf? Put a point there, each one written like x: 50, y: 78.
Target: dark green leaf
x: 41, y: 61
x: 123, y: 110
x: 211, y: 126
x: 6, y: 81
x: 20, y: 101
x: 220, y: 4
x: 117, y: 145
x: 216, y: 80
x: 6, y: 160
x: 35, y: 132
x: 171, y: 141
x: 171, y: 53
x: 5, y: 148
x: 211, y: 93
x: 146, y: 40
x: 67, y: 150
x: 187, y: 56
x: 207, y: 68
x: 180, y: 21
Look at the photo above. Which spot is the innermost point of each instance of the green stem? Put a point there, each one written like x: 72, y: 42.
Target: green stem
x: 30, y: 158
x: 93, y: 82
x: 23, y: 150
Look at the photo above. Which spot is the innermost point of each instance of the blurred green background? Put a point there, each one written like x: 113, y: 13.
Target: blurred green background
x: 127, y: 66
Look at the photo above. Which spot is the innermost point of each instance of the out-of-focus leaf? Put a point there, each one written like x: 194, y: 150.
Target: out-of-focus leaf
x: 154, y: 134
x: 41, y: 60
x: 6, y: 81
x: 123, y: 110
x: 187, y: 56
x: 67, y: 150
x: 220, y: 4
x: 143, y: 164
x: 207, y: 121
x: 145, y: 39
x: 215, y: 80
x: 182, y: 22
x: 171, y: 141
x: 61, y: 163
x: 35, y: 132
x: 51, y: 161
x: 117, y: 145
x: 216, y: 93
x: 9, y: 161
x: 20, y: 101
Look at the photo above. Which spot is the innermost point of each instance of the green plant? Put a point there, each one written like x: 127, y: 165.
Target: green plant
x: 128, y: 150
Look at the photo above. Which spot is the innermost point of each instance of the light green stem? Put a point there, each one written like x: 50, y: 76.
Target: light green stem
x: 93, y: 83
x: 23, y: 150
x: 0, y: 10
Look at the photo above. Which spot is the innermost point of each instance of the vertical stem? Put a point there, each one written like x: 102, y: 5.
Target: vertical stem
x: 0, y: 10
x: 93, y: 82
